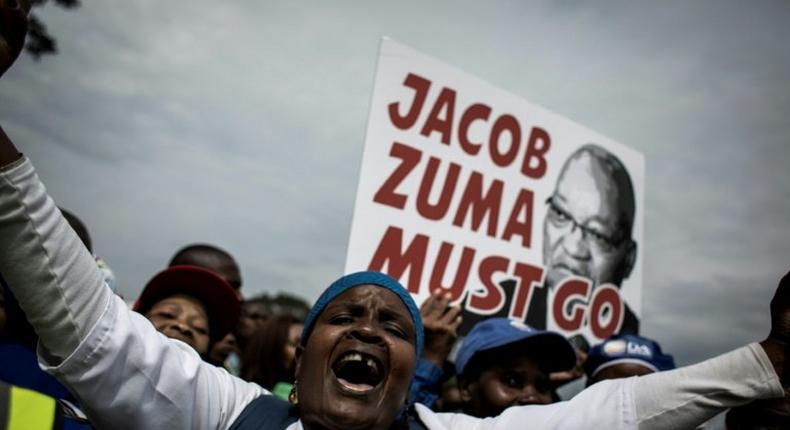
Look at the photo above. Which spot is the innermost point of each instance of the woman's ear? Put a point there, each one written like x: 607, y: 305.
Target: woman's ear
x: 465, y: 388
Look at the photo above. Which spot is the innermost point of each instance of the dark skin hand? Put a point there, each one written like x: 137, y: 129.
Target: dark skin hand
x: 777, y: 344
x: 771, y: 413
x: 13, y: 27
x: 8, y: 152
x: 440, y: 321
x: 766, y: 414
x: 561, y: 378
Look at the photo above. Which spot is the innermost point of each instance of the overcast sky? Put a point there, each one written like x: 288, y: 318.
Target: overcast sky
x: 242, y: 124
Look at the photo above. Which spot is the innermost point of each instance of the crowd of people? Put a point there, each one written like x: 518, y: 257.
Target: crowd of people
x: 191, y: 352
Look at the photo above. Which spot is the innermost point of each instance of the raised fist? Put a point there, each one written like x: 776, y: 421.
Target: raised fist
x: 777, y: 345
x: 13, y: 27
x: 780, y: 311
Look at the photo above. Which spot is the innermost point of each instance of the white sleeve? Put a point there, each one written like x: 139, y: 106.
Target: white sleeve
x: 602, y: 406
x: 678, y: 399
x: 125, y: 374
x: 689, y: 396
x: 45, y: 264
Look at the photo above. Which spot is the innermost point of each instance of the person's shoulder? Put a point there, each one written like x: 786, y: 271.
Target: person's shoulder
x: 266, y: 412
x: 443, y: 420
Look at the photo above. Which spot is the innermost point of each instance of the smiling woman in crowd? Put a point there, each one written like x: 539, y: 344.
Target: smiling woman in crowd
x: 190, y: 304
x: 354, y: 363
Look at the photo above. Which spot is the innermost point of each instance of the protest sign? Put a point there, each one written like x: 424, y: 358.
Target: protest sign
x: 511, y: 208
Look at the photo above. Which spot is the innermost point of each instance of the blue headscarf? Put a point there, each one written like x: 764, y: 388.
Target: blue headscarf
x: 365, y: 278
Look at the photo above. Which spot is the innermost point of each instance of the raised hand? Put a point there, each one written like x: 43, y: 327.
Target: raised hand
x: 777, y: 345
x: 761, y: 414
x: 441, y: 322
x: 558, y: 379
x: 13, y: 28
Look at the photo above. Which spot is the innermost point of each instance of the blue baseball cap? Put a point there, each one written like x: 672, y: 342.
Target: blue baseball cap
x: 552, y: 349
x: 627, y: 348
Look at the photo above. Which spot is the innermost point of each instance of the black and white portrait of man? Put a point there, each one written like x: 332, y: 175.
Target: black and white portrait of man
x: 588, y: 227
x: 587, y: 233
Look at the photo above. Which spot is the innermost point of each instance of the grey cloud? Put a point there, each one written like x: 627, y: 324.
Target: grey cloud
x: 164, y: 123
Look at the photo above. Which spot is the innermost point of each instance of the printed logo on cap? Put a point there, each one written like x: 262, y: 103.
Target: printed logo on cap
x: 615, y: 347
x: 520, y: 325
x: 639, y: 349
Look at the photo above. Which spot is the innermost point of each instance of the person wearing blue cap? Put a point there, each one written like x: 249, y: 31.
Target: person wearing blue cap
x: 356, y: 357
x: 622, y: 356
x: 504, y: 363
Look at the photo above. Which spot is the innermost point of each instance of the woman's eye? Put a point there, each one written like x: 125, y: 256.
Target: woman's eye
x: 542, y: 386
x: 341, y: 319
x: 512, y: 381
x: 165, y: 314
x: 397, y: 331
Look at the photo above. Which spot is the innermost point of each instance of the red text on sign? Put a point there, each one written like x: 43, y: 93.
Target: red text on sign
x: 397, y: 255
x: 573, y: 305
x: 505, y: 138
x: 477, y: 203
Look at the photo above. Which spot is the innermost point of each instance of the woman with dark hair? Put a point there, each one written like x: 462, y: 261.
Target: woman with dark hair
x: 269, y: 357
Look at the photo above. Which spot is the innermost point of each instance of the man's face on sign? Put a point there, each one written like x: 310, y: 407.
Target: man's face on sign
x: 587, y: 229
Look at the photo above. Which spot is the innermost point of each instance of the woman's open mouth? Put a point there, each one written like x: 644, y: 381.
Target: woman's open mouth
x: 358, y: 372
